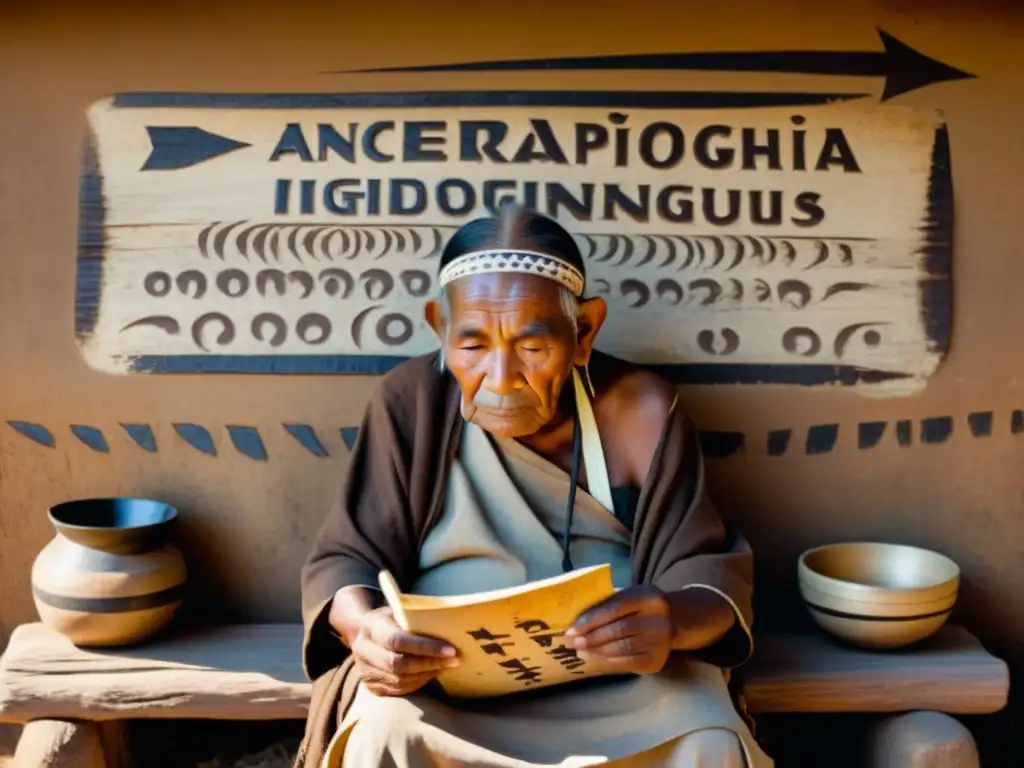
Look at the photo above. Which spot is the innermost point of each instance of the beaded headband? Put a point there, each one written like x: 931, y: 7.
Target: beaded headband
x: 522, y: 262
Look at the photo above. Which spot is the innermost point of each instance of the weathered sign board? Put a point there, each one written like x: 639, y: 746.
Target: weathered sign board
x: 300, y: 234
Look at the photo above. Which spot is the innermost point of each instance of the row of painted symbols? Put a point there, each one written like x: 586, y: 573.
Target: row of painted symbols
x: 717, y: 444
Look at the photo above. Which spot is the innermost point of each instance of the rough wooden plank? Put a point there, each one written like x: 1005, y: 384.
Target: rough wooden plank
x: 246, y: 672
x: 253, y: 672
x: 951, y: 672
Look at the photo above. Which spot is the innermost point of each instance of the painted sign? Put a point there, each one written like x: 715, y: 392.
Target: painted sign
x: 807, y: 243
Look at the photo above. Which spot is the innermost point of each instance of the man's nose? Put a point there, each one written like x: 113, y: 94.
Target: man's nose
x: 502, y: 374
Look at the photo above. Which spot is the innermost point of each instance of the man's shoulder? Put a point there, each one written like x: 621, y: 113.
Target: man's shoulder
x: 635, y: 407
x: 409, y: 381
x: 644, y: 400
x: 634, y: 392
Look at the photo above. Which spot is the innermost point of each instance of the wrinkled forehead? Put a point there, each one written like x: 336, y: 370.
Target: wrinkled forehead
x: 504, y: 293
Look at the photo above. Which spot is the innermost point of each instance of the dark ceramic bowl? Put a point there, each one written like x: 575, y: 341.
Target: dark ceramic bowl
x: 120, y: 525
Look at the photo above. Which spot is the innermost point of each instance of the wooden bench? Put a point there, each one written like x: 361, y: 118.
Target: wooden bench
x: 75, y: 702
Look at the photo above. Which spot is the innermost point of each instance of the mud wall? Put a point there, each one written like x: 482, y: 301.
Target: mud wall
x: 797, y: 464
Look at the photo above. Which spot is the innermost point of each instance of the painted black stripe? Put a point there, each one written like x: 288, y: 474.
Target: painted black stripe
x: 895, y: 59
x: 937, y: 282
x: 804, y: 375
x: 597, y: 99
x: 904, y: 68
x: 858, y: 617
x: 276, y: 364
x: 850, y: 63
x: 683, y: 373
x: 91, y: 241
x: 110, y: 604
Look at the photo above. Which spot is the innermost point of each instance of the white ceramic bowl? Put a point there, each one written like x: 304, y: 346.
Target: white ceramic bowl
x: 878, y: 595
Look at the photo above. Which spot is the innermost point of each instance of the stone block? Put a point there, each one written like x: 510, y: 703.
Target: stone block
x: 921, y: 739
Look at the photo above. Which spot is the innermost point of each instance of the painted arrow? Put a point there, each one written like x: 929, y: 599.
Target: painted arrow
x: 181, y: 147
x: 903, y: 68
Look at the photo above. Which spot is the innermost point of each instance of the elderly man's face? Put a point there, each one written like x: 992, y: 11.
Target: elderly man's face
x: 511, y: 346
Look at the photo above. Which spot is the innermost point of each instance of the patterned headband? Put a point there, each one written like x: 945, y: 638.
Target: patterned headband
x: 523, y: 262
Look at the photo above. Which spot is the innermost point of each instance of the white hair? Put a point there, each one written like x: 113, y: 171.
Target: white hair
x: 568, y: 303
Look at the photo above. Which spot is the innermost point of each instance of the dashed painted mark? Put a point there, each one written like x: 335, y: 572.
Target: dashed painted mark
x: 37, y: 433
x: 721, y: 445
x: 778, y: 441
x: 821, y: 439
x: 980, y: 423
x: 248, y: 442
x: 198, y: 437
x: 307, y: 438
x: 937, y: 429
x: 142, y: 435
x: 815, y: 440
x: 870, y: 433
x: 92, y: 437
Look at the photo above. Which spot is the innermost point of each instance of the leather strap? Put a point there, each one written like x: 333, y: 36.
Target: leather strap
x: 593, y: 453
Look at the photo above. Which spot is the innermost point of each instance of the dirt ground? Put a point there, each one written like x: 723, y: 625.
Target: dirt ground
x: 215, y: 743
x: 279, y: 755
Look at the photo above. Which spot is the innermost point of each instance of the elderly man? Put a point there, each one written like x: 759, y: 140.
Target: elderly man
x: 514, y: 454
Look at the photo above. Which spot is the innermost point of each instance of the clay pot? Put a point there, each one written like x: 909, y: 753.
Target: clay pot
x: 111, y: 575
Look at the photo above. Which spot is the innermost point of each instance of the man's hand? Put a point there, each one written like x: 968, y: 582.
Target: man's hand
x: 632, y: 630
x: 393, y: 662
